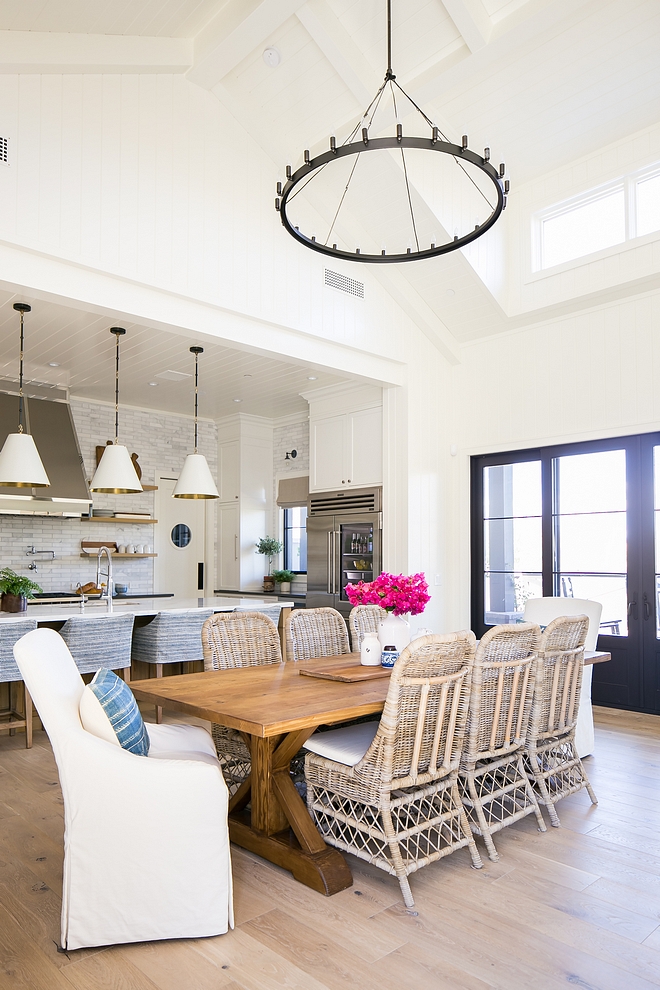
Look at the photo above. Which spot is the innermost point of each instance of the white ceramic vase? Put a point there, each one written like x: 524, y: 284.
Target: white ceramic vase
x: 394, y: 630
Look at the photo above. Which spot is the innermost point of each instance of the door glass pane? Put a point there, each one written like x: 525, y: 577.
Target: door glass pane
x: 590, y: 532
x: 357, y: 554
x: 512, y: 539
x: 656, y: 527
x: 295, y: 539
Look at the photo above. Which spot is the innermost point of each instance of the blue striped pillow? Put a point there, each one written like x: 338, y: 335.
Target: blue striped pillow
x: 118, y: 703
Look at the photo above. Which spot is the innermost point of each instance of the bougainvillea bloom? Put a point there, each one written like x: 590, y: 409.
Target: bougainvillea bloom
x: 397, y: 593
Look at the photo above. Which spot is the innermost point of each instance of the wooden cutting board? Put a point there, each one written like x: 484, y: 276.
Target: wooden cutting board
x: 349, y: 672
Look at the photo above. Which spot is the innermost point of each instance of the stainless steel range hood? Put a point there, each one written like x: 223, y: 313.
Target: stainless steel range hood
x: 51, y: 424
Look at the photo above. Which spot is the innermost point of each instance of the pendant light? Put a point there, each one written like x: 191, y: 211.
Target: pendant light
x: 20, y: 464
x: 195, y: 480
x: 116, y: 473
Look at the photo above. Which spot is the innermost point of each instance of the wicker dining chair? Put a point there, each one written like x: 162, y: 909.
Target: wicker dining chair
x: 394, y: 800
x: 10, y: 632
x: 237, y: 639
x: 551, y: 758
x: 315, y: 632
x: 362, y: 620
x: 492, y: 778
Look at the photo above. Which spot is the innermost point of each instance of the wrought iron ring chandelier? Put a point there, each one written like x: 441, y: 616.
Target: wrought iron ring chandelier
x: 436, y: 142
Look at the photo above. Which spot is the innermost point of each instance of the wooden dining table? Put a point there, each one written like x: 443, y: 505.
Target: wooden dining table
x: 276, y: 708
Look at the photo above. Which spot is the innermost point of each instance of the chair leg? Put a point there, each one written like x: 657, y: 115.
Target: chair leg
x: 539, y: 780
x: 481, y: 817
x: 12, y: 706
x: 465, y: 826
x: 587, y: 784
x: 28, y: 719
x: 531, y: 795
x: 397, y: 859
x: 159, y: 710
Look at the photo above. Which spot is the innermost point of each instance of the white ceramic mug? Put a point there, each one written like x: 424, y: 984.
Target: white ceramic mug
x: 130, y: 549
x: 139, y: 548
x: 122, y: 548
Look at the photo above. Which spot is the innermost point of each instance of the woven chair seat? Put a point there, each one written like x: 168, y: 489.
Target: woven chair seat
x: 399, y: 807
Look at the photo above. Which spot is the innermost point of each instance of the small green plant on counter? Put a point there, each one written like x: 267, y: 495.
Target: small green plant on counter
x: 269, y: 547
x: 12, y: 583
x: 283, y: 577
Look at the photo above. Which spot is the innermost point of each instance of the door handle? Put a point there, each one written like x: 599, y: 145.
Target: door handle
x: 331, y: 564
x: 632, y: 609
x: 334, y: 563
x: 235, y: 547
x: 647, y: 608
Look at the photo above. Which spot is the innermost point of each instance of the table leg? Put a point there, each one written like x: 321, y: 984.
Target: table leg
x: 281, y: 628
x: 276, y: 804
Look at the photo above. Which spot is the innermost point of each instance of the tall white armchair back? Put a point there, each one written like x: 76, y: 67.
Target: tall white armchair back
x: 146, y: 845
x: 543, y: 611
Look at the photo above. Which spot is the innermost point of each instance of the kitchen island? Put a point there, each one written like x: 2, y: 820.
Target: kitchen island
x: 144, y: 609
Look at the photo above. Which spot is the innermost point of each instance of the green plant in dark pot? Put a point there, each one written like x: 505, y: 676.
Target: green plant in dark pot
x: 15, y: 590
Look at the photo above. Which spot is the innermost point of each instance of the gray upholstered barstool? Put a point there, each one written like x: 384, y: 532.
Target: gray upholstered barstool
x: 96, y: 642
x: 170, y: 637
x: 10, y: 632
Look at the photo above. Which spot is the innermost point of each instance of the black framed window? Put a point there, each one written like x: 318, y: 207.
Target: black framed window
x: 295, y: 539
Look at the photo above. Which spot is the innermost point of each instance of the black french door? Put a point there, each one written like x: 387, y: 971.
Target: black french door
x: 582, y: 521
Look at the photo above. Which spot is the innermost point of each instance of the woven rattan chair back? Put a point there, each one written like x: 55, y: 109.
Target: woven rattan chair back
x: 362, y: 620
x: 421, y: 730
x: 502, y: 689
x: 96, y: 643
x: 240, y: 639
x: 315, y: 632
x: 559, y: 677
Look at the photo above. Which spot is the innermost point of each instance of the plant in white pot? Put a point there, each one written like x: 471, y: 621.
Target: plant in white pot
x: 397, y: 595
x: 269, y: 547
x: 283, y: 579
x: 15, y: 590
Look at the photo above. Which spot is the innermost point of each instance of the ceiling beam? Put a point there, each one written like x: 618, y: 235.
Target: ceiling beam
x: 340, y: 50
x: 472, y: 21
x: 237, y: 29
x: 47, y: 53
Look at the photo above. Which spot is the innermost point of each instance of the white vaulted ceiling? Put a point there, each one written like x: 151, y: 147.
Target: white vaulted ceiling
x: 541, y: 82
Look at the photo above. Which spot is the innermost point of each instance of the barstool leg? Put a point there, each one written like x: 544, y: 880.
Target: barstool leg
x: 159, y: 710
x: 28, y: 719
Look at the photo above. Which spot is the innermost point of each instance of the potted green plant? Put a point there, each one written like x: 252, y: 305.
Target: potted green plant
x: 15, y: 590
x: 269, y: 547
x: 283, y: 579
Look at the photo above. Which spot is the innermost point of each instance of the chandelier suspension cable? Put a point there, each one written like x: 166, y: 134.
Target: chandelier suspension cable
x: 118, y: 332
x: 405, y: 169
x: 20, y: 377
x: 196, y: 351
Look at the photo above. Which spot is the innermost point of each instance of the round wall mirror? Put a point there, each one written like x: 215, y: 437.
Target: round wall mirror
x: 181, y: 535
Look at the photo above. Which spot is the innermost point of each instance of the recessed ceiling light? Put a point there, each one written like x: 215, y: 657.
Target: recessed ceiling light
x: 247, y: 376
x: 311, y: 378
x: 238, y: 400
x: 53, y: 364
x: 271, y: 57
x: 152, y: 383
x: 450, y: 292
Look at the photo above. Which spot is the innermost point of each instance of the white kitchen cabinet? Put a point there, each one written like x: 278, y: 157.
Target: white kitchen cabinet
x: 229, y: 471
x: 346, y: 450
x: 229, y: 550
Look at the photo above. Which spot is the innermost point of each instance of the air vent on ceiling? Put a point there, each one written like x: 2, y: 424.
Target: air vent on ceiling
x: 344, y: 283
x: 173, y: 376
x: 4, y: 151
x: 358, y: 500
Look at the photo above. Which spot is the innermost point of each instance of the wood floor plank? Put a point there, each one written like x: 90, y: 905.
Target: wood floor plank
x: 255, y: 966
x: 107, y: 970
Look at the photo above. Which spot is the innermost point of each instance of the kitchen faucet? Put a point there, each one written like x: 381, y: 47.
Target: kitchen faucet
x: 107, y: 594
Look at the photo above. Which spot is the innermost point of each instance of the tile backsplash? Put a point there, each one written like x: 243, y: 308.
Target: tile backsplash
x: 161, y: 441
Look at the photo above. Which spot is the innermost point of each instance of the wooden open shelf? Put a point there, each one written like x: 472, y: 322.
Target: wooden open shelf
x: 113, y: 519
x: 121, y: 556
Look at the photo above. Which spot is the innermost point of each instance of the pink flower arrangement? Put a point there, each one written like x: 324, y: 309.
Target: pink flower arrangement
x: 396, y: 593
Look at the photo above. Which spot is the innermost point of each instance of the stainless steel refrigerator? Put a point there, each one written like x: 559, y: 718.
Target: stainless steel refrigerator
x: 344, y: 544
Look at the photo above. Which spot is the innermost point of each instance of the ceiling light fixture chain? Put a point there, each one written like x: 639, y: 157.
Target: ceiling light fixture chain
x: 196, y: 351
x: 22, y: 308
x: 297, y: 181
x: 118, y: 332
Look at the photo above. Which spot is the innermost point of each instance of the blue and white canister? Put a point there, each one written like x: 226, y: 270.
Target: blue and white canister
x: 389, y: 656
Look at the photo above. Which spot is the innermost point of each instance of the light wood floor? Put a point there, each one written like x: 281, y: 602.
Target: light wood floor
x: 576, y: 907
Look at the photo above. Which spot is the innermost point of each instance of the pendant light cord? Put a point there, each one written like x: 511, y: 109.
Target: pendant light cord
x: 196, y: 385
x: 389, y: 74
x: 20, y: 380
x: 118, y: 332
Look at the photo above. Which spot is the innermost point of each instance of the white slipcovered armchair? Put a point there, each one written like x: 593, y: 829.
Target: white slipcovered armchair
x: 146, y: 845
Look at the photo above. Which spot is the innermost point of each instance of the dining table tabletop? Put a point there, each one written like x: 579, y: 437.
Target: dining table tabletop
x: 276, y: 708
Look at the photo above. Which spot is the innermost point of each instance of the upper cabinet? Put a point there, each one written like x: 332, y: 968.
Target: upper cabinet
x: 229, y: 471
x: 346, y: 448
